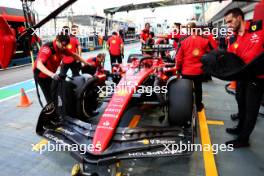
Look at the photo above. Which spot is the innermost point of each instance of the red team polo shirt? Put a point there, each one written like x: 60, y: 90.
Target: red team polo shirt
x: 73, y: 47
x: 189, y: 55
x: 176, y: 37
x: 114, y: 43
x: 249, y: 45
x: 144, y: 35
x: 51, y: 61
x: 93, y: 61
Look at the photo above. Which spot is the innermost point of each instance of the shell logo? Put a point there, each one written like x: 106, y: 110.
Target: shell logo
x: 145, y: 141
x: 69, y: 46
x: 196, y: 52
x: 236, y: 45
x: 113, y: 41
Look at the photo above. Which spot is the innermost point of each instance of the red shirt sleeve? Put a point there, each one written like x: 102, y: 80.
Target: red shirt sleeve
x: 108, y: 41
x: 179, y: 58
x: 121, y: 40
x: 142, y: 35
x: 212, y: 42
x: 44, y: 54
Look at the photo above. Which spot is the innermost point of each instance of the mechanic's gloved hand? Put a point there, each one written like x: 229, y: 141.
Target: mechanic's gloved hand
x: 178, y: 74
x: 55, y: 77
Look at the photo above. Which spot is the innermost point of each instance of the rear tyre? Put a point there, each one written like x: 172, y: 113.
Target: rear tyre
x: 180, y: 102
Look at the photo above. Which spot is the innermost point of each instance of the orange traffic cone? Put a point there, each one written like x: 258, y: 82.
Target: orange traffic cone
x: 24, y: 101
x: 232, y: 85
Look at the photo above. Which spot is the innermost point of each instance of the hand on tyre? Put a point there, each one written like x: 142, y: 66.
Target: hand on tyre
x: 55, y: 76
x: 178, y: 74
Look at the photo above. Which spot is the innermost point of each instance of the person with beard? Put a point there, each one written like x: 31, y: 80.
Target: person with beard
x: 246, y: 42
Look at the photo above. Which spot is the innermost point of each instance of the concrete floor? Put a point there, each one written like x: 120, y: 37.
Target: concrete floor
x: 17, y: 133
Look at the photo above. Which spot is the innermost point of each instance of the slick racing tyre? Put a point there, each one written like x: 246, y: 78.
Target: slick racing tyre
x: 180, y: 102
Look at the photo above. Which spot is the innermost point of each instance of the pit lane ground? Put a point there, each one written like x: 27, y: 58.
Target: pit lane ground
x: 17, y: 136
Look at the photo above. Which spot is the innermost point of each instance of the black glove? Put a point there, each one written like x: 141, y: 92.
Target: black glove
x: 56, y: 77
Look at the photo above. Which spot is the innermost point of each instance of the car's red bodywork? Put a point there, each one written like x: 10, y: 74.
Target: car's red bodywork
x: 136, y: 73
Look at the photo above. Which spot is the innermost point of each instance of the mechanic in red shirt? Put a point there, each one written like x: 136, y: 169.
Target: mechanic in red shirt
x: 115, y: 46
x: 74, y: 46
x: 247, y: 42
x: 144, y: 35
x: 94, y: 63
x: 188, y: 63
x: 48, y: 61
x: 176, y: 34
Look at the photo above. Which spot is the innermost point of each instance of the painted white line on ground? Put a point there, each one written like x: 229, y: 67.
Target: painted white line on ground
x: 14, y: 67
x: 13, y: 96
x: 11, y: 85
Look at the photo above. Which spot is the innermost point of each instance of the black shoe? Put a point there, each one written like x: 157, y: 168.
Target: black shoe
x: 234, y: 117
x: 237, y: 143
x: 234, y: 131
x: 200, y: 107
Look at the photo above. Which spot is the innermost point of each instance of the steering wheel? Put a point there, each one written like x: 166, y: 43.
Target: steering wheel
x: 144, y: 59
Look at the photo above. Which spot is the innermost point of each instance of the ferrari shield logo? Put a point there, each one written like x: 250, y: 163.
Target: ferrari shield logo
x: 254, y: 27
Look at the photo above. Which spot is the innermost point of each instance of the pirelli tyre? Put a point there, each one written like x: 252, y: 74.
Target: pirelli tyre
x: 180, y: 102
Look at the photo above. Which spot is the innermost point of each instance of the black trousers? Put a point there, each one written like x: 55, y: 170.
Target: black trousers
x: 46, y: 87
x: 198, y: 89
x: 115, y: 58
x: 75, y: 68
x: 249, y: 96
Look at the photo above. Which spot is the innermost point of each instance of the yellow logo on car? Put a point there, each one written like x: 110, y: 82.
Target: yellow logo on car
x: 144, y: 141
x: 122, y: 92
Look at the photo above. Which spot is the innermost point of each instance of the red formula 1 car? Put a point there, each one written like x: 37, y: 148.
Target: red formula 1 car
x: 145, y: 114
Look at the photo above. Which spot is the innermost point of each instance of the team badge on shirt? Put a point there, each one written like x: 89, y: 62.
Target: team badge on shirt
x: 69, y: 46
x: 113, y: 41
x: 235, y: 45
x: 196, y: 52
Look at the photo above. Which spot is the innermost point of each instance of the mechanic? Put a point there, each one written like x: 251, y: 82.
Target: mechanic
x: 68, y: 62
x: 94, y: 63
x: 188, y: 63
x: 48, y: 61
x: 144, y: 35
x: 175, y: 35
x: 247, y: 42
x: 115, y: 46
x: 150, y: 42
